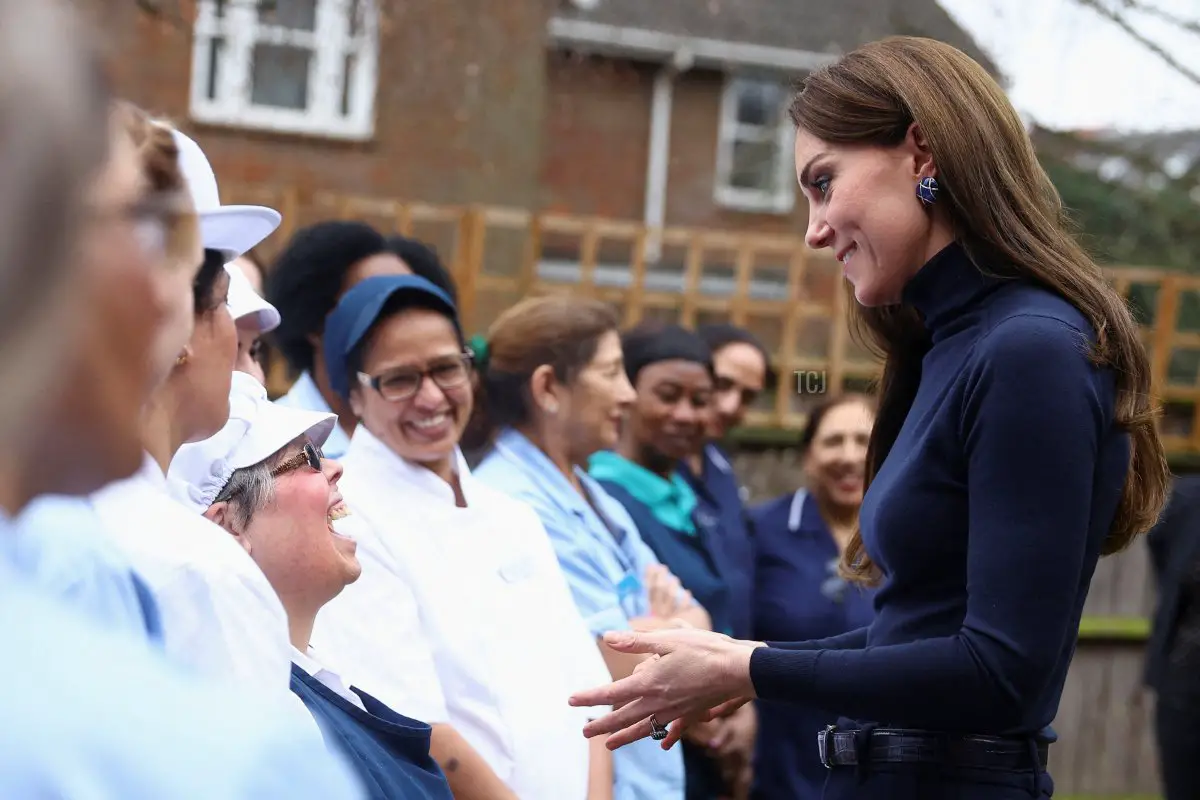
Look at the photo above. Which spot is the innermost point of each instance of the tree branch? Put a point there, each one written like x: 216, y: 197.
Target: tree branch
x: 1119, y: 20
x: 1165, y: 16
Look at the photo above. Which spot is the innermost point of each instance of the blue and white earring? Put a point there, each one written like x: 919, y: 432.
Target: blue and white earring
x: 927, y: 190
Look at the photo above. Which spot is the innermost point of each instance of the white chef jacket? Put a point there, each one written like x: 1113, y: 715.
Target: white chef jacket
x: 219, y: 613
x: 373, y: 631
x: 508, y: 643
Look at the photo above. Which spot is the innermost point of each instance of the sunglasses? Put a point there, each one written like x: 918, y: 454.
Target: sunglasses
x: 310, y: 455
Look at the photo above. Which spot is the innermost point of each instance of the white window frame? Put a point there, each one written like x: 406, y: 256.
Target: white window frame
x: 783, y: 199
x: 331, y: 42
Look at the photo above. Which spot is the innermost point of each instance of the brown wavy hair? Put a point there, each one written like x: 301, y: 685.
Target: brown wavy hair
x: 558, y: 331
x: 1004, y: 209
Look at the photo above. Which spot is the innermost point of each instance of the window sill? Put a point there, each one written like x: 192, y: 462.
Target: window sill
x: 752, y: 203
x: 269, y: 121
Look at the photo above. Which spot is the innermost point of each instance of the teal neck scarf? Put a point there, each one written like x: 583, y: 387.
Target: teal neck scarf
x: 670, y: 501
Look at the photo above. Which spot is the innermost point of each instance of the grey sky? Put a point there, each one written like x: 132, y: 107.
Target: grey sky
x: 1068, y: 67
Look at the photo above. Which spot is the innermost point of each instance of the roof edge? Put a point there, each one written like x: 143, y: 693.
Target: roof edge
x: 641, y: 43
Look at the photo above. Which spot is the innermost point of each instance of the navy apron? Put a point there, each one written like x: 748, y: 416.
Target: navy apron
x: 389, y: 752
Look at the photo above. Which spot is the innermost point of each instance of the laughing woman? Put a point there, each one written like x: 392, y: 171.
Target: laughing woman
x: 1015, y: 444
x: 272, y: 490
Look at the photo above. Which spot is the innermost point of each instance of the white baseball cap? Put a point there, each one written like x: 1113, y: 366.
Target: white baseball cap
x: 245, y: 302
x: 233, y: 230
x: 256, y: 430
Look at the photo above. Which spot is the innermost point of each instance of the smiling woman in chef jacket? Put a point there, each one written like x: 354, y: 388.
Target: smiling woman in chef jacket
x: 480, y: 563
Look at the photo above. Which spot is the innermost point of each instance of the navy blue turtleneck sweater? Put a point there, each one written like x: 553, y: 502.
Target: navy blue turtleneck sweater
x: 986, y: 518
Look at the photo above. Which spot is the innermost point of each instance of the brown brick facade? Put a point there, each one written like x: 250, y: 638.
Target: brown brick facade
x: 465, y: 113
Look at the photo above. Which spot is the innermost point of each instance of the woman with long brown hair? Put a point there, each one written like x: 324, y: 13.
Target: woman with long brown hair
x: 1015, y: 444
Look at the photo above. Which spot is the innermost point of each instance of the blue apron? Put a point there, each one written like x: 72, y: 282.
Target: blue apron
x: 389, y: 752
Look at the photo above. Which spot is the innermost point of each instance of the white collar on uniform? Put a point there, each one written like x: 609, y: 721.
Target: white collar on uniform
x: 309, y: 663
x: 796, y: 510
x: 718, y: 460
x: 152, y: 473
x: 365, y: 445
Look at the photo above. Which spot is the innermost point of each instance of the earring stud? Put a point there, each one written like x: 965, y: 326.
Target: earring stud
x: 927, y: 190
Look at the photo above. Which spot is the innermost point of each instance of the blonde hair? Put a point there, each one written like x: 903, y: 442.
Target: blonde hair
x: 1004, y: 210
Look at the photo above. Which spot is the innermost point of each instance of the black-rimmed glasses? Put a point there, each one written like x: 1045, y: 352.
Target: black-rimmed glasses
x: 403, y: 383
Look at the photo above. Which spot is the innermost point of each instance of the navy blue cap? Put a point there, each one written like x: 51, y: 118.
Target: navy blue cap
x: 360, y: 308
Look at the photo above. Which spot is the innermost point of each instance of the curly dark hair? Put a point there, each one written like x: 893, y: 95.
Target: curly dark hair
x: 308, y: 278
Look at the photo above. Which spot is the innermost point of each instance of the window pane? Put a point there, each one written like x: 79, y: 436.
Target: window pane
x: 348, y: 83
x: 760, y: 103
x: 756, y: 166
x: 298, y: 15
x: 216, y: 47
x: 280, y: 76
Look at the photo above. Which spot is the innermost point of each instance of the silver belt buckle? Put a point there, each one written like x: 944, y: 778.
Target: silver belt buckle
x: 823, y: 745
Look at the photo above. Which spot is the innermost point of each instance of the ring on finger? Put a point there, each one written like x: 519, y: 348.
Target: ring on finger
x: 657, y: 732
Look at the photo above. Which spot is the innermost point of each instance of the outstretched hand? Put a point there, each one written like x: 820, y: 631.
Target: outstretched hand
x: 695, y: 675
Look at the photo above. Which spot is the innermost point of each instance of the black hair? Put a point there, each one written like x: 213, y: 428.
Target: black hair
x: 308, y: 278
x: 651, y: 342
x: 398, y: 303
x: 204, y: 286
x: 424, y: 262
x: 719, y: 335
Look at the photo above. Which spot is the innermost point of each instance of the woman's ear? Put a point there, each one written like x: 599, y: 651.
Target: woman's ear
x: 356, y: 403
x: 185, y: 355
x: 545, y: 390
x: 222, y: 514
x: 917, y: 147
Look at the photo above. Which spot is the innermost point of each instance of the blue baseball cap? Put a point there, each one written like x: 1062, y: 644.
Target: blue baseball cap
x: 360, y: 308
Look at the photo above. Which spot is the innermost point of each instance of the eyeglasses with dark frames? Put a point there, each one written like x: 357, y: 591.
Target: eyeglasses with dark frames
x: 403, y: 383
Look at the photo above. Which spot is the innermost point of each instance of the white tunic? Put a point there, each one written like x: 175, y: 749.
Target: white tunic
x: 220, y: 615
x: 508, y: 643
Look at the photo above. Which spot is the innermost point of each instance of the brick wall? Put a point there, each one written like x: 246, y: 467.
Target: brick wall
x: 459, y: 104
x: 465, y: 113
x: 597, y: 132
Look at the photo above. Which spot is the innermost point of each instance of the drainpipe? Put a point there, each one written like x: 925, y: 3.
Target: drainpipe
x: 660, y: 149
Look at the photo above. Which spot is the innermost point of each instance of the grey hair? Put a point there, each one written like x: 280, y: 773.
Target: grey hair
x: 249, y: 490
x: 54, y: 123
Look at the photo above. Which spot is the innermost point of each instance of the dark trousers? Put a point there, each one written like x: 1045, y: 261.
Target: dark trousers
x: 1177, y: 726
x: 918, y: 782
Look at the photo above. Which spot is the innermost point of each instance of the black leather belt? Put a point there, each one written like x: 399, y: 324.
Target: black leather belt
x: 900, y: 746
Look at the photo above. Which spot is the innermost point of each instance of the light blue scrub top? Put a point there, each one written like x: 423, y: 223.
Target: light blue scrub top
x: 91, y: 713
x: 604, y: 568
x: 59, y: 543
